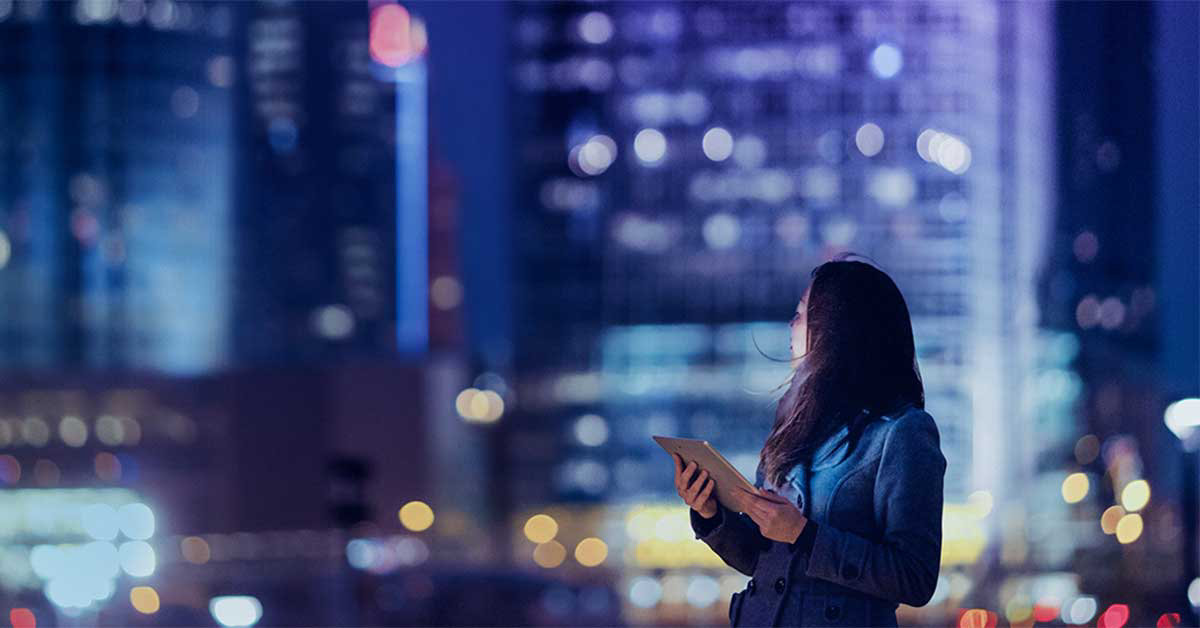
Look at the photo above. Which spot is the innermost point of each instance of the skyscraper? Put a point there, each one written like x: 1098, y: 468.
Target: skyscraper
x: 686, y: 165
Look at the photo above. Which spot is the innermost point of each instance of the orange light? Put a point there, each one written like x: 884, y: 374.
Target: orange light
x: 22, y: 618
x: 395, y: 38
x: 977, y: 618
x: 1114, y: 617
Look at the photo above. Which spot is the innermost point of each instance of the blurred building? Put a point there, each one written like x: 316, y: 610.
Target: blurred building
x: 686, y: 165
x: 117, y: 142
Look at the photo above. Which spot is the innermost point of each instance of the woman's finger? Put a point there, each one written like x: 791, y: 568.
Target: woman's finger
x: 698, y: 484
x: 707, y: 492
x: 772, y: 496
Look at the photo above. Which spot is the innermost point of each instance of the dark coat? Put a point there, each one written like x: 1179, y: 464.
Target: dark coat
x: 878, y: 537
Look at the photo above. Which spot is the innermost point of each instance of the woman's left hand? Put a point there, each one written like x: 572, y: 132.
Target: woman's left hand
x: 777, y: 517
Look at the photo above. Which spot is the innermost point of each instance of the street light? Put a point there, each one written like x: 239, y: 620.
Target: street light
x: 1183, y: 419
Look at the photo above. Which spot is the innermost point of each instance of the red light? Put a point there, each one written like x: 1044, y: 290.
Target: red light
x: 395, y: 38
x: 1114, y: 617
x: 1168, y: 620
x: 22, y: 618
x: 976, y: 618
x: 1042, y: 612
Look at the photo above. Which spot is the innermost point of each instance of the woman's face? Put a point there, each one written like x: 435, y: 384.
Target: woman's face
x: 799, y: 344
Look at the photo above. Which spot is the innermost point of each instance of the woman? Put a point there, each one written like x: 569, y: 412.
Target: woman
x: 846, y: 520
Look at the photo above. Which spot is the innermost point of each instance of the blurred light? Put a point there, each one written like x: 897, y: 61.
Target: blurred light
x: 595, y: 27
x: 591, y: 551
x: 416, y: 516
x: 1193, y: 593
x: 144, y: 599
x: 703, y: 591
x: 981, y: 502
x: 220, y: 71
x: 1079, y: 611
x: 162, y: 14
x: 35, y: 432
x: 886, y: 61
x: 445, y: 292
x: 108, y: 467
x: 1087, y: 448
x: 1075, y: 488
x: 1108, y: 521
x: 549, y: 554
x: 830, y: 146
x: 22, y: 618
x: 10, y: 470
x: 596, y: 155
x: 977, y: 618
x: 721, y: 230
x: 1183, y: 418
x: 1129, y: 528
x: 869, y: 139
x: 1135, y: 495
x: 109, y: 430
x: 645, y: 592
x: 650, y: 145
x: 1168, y: 620
x: 137, y: 558
x: 88, y: 11
x: 45, y: 472
x: 100, y: 521
x: 185, y: 102
x: 892, y: 186
x: 691, y: 107
x: 1044, y: 612
x: 5, y: 249
x: 792, y: 228
x: 236, y: 610
x: 591, y: 430
x: 195, y: 550
x: 1086, y: 246
x: 750, y: 151
x: 944, y: 149
x: 1087, y: 313
x: 717, y: 144
x: 541, y: 528
x: 73, y: 431
x: 1018, y: 610
x: 952, y: 207
x: 333, y: 321
x: 1112, y: 313
x: 395, y: 38
x: 1114, y: 617
x: 137, y: 521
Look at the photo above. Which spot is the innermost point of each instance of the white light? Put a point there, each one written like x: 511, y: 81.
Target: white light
x: 923, y: 141
x: 892, y: 186
x: 722, y: 230
x: 361, y: 553
x: 703, y: 591
x: 1183, y: 418
x: 137, y: 521
x: 1194, y: 593
x: 591, y: 430
x: 717, y: 144
x: 1080, y: 611
x: 750, y: 151
x: 597, y: 154
x: 235, y: 610
x: 47, y: 561
x: 100, y: 521
x: 645, y: 592
x: 886, y: 61
x: 5, y: 249
x: 96, y: 561
x: 869, y: 139
x: 650, y: 145
x: 333, y: 321
x: 137, y: 558
x: 595, y: 28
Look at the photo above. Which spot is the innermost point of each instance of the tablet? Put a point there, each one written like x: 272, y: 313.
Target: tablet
x: 729, y: 481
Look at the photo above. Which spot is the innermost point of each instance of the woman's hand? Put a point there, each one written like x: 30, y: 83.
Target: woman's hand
x: 697, y: 492
x: 777, y: 517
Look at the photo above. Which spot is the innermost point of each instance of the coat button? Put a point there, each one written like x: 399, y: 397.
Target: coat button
x: 832, y: 612
x: 750, y: 585
x: 780, y: 585
x: 849, y: 572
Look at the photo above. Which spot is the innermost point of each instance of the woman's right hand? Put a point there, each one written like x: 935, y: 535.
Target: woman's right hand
x: 695, y: 491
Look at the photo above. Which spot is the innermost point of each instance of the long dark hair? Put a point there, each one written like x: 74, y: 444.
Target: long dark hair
x: 860, y: 356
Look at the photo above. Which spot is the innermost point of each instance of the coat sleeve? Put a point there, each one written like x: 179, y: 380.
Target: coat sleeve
x: 732, y: 535
x: 903, y: 566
